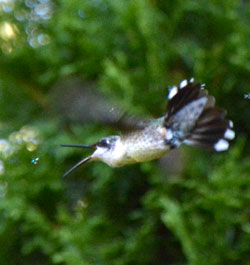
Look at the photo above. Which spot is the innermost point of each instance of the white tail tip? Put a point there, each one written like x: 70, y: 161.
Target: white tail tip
x: 183, y: 83
x: 229, y: 134
x: 172, y: 92
x: 221, y: 145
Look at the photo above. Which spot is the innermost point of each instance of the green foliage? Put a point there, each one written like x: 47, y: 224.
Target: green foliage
x: 132, y: 51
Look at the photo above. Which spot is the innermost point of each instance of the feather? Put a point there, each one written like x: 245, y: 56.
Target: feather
x: 193, y: 119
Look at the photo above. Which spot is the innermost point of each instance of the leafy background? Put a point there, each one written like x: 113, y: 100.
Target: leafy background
x: 130, y: 52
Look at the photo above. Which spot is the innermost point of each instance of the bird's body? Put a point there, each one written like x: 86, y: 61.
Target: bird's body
x: 191, y: 118
x: 137, y: 146
x: 147, y: 144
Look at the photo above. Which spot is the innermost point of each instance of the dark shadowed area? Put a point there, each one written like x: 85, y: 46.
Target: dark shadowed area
x: 74, y: 71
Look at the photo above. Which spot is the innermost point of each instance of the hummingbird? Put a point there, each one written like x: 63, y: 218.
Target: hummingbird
x: 191, y: 119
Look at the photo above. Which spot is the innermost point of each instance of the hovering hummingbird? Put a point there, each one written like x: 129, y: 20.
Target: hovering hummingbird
x: 191, y: 118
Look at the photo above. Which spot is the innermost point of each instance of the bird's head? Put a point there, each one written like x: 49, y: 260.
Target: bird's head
x: 103, y: 151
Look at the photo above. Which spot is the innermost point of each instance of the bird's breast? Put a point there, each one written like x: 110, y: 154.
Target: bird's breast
x: 146, y: 145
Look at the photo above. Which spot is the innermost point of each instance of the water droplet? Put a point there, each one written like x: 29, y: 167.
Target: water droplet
x: 81, y: 13
x: 34, y: 161
x: 31, y: 147
x: 8, y: 31
x: 4, y: 145
x: 21, y: 15
x: 81, y: 204
x: 30, y: 3
x: 33, y: 42
x: 1, y: 167
x: 43, y: 10
x: 8, y: 7
x: 112, y: 110
x: 43, y: 39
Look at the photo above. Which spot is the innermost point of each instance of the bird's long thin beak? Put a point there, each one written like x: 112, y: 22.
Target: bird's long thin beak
x: 92, y: 146
x: 85, y: 160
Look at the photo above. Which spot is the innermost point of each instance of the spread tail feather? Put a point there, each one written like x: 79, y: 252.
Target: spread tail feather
x: 193, y: 119
x: 212, y: 131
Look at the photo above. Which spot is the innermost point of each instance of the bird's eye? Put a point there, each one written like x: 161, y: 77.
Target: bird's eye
x: 103, y: 143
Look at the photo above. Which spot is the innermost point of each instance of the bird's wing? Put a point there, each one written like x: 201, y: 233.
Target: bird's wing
x: 128, y: 123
